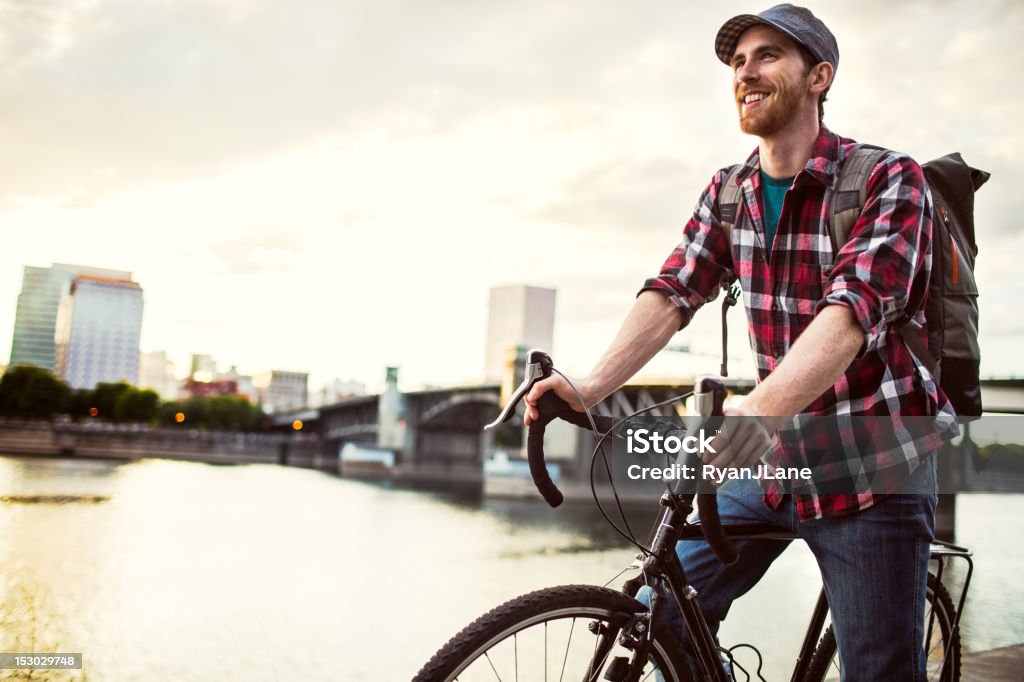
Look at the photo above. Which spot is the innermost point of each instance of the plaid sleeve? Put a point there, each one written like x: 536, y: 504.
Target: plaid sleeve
x: 693, y: 272
x: 888, y: 246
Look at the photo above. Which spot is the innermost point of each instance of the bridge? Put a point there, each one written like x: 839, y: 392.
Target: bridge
x: 437, y: 435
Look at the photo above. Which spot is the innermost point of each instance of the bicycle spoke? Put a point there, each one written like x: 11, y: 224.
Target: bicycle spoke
x: 545, y: 651
x: 493, y: 669
x: 604, y: 658
x: 515, y: 653
x: 591, y: 669
x: 928, y: 630
x: 567, y: 645
x: 653, y: 670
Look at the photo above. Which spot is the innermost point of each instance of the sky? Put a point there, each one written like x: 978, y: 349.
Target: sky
x: 332, y: 186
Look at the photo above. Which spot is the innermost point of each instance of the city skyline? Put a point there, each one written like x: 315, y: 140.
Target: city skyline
x: 335, y: 189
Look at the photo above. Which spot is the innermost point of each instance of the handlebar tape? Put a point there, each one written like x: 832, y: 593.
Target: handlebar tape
x: 551, y: 407
x: 711, y: 526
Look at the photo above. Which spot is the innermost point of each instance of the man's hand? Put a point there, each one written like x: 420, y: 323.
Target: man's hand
x: 562, y: 389
x: 651, y: 322
x: 741, y: 442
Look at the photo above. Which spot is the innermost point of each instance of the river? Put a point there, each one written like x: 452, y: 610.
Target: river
x: 161, y: 570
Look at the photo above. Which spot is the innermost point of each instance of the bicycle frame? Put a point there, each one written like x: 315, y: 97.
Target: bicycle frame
x: 663, y: 564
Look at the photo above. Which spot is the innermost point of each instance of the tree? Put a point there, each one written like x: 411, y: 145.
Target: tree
x: 104, y: 398
x: 32, y: 393
x: 231, y: 413
x: 135, y: 405
x: 167, y: 413
x: 218, y: 412
x: 78, y: 403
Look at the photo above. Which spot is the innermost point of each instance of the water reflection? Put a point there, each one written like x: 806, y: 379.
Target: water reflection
x: 195, y: 572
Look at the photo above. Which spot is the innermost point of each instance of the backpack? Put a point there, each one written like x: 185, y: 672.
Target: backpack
x: 952, y: 354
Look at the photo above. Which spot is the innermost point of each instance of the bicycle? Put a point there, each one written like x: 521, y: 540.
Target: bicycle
x: 622, y: 639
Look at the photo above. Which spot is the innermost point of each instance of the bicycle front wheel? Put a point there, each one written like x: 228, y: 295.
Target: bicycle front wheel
x: 573, y: 632
x: 942, y: 648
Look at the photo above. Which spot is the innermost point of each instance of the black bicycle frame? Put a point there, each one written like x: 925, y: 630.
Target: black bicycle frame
x: 663, y: 563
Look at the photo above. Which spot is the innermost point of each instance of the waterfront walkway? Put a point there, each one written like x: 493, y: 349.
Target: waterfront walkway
x: 1006, y: 663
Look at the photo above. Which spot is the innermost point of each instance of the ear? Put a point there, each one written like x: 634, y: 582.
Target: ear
x: 821, y: 77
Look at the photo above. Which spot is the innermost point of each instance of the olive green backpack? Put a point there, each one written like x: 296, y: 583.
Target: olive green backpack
x: 951, y: 310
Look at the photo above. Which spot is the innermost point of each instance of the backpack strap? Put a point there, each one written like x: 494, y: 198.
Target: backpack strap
x: 851, y: 192
x: 728, y: 210
x: 729, y: 201
x: 847, y: 204
x: 910, y: 334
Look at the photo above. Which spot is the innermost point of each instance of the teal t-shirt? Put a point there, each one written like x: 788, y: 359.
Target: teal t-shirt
x: 772, y: 192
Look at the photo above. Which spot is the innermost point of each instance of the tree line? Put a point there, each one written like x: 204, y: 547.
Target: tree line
x: 34, y: 393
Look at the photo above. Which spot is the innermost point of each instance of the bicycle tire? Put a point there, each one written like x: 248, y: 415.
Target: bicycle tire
x: 824, y: 663
x: 478, y: 645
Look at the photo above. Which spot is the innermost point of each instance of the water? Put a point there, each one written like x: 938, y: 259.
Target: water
x: 170, y: 570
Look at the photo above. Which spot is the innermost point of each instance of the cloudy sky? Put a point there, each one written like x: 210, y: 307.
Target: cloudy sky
x: 333, y: 186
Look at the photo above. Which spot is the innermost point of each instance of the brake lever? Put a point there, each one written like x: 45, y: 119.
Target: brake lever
x: 538, y: 366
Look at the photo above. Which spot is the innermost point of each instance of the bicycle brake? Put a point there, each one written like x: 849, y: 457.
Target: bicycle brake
x: 538, y: 366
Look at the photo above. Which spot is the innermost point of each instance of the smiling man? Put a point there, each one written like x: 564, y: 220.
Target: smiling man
x: 823, y: 319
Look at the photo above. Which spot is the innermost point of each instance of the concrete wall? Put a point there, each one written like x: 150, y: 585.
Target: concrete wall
x: 72, y: 440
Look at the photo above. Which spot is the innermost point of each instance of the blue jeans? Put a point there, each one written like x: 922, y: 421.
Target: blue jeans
x: 874, y: 565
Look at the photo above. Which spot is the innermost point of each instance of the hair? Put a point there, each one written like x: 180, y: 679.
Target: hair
x: 810, y: 61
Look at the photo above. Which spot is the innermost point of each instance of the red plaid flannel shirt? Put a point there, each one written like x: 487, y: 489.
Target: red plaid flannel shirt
x: 881, y: 274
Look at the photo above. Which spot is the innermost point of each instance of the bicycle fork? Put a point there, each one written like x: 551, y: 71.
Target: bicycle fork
x: 664, y: 562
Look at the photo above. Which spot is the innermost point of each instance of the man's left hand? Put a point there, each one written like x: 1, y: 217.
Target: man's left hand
x: 741, y: 441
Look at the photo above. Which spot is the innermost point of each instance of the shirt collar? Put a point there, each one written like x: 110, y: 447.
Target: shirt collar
x: 823, y: 165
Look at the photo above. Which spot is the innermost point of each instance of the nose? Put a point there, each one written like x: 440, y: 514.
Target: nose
x: 746, y: 72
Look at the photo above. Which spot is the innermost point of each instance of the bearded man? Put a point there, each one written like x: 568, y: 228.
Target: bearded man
x: 823, y: 322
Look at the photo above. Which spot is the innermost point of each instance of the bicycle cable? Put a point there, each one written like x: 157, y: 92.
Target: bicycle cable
x: 732, y: 659
x: 627, y: 534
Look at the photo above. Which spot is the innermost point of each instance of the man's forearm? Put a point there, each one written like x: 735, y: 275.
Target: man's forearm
x: 813, y: 364
x: 652, y: 321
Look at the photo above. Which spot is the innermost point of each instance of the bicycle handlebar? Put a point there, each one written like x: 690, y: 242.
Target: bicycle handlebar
x: 709, y: 393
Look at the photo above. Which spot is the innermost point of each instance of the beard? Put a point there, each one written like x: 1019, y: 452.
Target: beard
x: 774, y: 114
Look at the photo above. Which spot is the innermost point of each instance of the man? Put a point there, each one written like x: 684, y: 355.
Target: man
x: 823, y: 326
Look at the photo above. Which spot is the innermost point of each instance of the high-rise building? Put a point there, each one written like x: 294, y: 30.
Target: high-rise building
x: 243, y: 383
x: 156, y: 372
x: 517, y: 316
x: 204, y: 367
x: 335, y: 391
x: 36, y: 319
x: 99, y: 322
x: 280, y: 390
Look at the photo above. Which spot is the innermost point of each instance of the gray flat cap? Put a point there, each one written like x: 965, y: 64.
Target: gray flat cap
x: 796, y: 22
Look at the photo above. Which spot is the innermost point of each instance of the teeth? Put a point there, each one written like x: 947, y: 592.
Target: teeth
x: 754, y: 97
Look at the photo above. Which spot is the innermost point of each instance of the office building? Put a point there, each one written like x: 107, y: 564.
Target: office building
x: 36, y: 317
x: 204, y: 367
x: 243, y: 383
x: 156, y: 372
x: 517, y: 316
x: 279, y: 390
x: 335, y: 391
x: 99, y: 322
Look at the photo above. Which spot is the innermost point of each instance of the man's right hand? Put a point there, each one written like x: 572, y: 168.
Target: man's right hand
x: 561, y: 388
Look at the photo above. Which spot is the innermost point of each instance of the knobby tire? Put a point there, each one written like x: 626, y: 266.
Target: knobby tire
x: 824, y: 663
x: 504, y: 635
